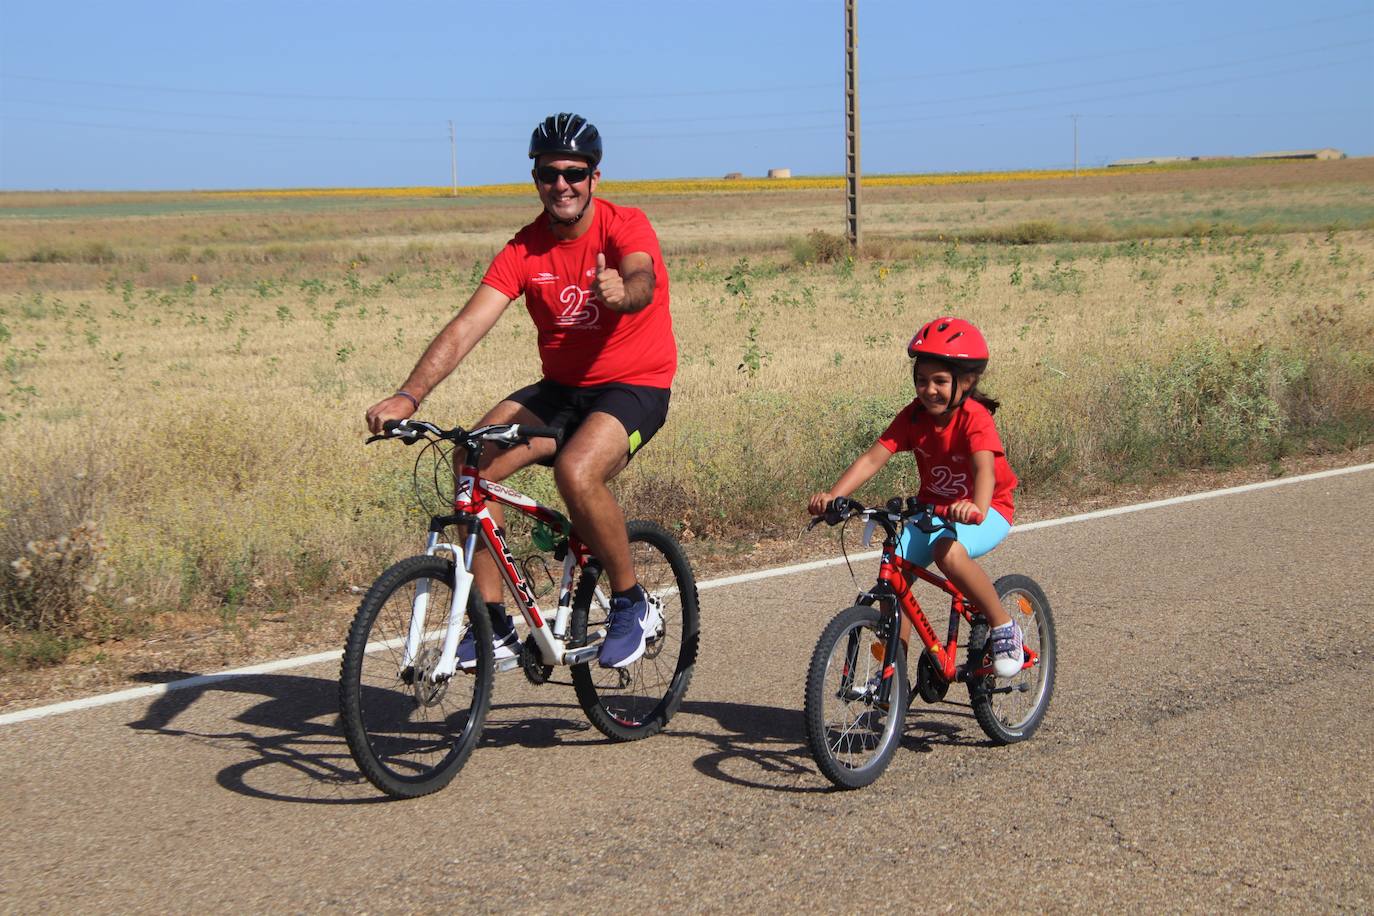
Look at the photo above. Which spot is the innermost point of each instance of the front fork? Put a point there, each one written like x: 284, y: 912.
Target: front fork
x: 447, y: 663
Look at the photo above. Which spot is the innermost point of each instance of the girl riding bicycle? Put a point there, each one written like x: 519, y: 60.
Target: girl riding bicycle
x: 962, y: 464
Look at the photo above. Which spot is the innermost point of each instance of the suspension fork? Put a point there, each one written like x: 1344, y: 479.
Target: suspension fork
x: 461, y: 588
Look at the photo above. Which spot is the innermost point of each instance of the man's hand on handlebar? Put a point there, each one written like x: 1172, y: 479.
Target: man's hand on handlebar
x: 396, y: 407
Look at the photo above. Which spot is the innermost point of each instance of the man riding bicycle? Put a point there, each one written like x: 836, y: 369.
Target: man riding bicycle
x: 596, y: 287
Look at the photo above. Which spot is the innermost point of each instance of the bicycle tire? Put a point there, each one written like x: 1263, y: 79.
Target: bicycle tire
x: 637, y: 701
x: 1011, y: 715
x: 852, y: 736
x: 410, y: 737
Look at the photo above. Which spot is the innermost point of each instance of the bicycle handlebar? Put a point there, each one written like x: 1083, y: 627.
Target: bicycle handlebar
x: 506, y: 434
x: 842, y: 508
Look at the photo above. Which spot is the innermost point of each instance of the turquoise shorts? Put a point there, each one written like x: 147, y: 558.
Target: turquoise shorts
x: 917, y: 547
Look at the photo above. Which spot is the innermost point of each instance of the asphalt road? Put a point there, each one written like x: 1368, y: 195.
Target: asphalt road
x: 1208, y: 747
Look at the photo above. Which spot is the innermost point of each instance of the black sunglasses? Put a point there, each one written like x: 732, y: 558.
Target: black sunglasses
x: 547, y: 174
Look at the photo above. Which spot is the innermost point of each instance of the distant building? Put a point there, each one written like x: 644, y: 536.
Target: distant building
x: 1150, y: 160
x: 779, y: 173
x: 1325, y: 153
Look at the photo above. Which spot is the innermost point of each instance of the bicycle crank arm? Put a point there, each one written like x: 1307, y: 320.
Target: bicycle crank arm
x: 580, y: 656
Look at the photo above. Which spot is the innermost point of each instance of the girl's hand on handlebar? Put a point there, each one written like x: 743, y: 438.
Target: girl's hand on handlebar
x: 818, y: 503
x: 965, y: 512
x: 395, y: 407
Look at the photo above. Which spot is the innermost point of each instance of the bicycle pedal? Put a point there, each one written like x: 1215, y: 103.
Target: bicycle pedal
x: 507, y: 664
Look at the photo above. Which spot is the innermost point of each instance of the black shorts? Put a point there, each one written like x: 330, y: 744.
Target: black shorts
x: 639, y: 408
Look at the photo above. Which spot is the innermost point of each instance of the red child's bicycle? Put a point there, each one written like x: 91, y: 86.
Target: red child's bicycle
x: 858, y: 689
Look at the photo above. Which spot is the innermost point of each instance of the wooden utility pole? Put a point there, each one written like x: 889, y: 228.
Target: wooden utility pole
x: 453, y: 158
x: 1075, y: 145
x: 851, y: 123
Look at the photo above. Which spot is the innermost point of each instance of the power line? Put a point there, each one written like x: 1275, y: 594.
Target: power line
x: 755, y: 117
x: 700, y: 93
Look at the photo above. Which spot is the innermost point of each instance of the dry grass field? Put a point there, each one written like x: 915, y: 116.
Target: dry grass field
x: 185, y: 375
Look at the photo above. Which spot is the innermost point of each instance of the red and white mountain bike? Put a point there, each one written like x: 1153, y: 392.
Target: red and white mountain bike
x: 412, y: 715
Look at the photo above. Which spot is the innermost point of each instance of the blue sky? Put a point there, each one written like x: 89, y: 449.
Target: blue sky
x: 145, y: 94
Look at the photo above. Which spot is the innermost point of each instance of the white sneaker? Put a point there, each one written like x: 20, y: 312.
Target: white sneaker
x: 1007, y: 655
x: 504, y: 645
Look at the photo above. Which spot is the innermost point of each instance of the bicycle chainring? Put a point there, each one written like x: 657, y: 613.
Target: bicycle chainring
x: 929, y: 684
x: 532, y: 662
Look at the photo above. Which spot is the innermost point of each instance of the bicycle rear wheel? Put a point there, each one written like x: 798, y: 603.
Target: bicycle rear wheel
x: 634, y: 702
x: 408, y: 734
x: 1011, y: 709
x: 854, y: 715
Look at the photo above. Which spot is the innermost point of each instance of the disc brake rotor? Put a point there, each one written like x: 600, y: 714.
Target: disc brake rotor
x: 427, y: 691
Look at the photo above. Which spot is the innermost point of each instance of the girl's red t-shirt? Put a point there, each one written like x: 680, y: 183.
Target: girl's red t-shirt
x: 944, y: 454
x: 581, y: 341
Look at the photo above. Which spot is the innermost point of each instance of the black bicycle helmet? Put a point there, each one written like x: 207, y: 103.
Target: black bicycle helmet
x: 569, y: 134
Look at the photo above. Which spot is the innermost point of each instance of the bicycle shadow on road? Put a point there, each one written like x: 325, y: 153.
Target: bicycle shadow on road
x: 535, y: 725
x: 297, y: 750
x: 764, y: 747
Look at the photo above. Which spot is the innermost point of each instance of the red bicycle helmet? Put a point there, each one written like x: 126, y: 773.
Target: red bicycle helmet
x: 951, y: 340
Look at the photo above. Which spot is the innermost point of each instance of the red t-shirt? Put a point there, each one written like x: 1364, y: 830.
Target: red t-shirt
x: 581, y: 341
x: 944, y: 454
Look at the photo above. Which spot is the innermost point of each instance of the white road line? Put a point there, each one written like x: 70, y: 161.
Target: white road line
x: 285, y: 664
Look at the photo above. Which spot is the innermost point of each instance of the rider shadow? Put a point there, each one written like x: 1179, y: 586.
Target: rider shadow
x: 512, y: 725
x: 929, y: 726
x: 767, y: 743
x: 297, y: 751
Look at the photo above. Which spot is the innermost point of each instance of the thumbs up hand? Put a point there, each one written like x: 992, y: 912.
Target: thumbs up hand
x: 608, y: 286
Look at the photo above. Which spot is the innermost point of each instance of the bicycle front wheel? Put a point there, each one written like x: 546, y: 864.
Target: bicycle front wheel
x: 410, y: 734
x: 634, y: 702
x: 854, y: 714
x: 1011, y: 709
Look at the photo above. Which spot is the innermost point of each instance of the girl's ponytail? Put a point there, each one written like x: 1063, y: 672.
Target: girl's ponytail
x: 990, y: 403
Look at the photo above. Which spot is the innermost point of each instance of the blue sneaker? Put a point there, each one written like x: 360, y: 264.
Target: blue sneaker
x: 505, y: 643
x: 632, y: 620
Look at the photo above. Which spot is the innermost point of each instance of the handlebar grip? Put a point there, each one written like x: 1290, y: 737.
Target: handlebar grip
x: 390, y: 426
x: 942, y: 510
x: 542, y: 432
x: 839, y: 509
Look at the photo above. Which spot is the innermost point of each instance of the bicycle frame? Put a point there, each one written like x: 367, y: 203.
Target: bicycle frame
x: 896, y: 576
x: 471, y: 508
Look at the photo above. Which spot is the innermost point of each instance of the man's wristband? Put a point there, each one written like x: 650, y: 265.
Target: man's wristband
x: 409, y: 397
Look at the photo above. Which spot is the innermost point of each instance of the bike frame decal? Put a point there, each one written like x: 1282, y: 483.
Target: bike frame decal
x: 471, y: 498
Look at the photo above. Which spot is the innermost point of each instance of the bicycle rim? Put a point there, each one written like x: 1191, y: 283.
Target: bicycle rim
x: 409, y: 735
x: 1011, y: 709
x: 634, y: 702
x: 853, y: 720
